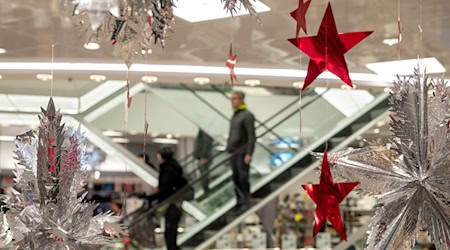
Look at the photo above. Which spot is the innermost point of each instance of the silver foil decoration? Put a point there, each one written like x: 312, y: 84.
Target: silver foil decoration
x: 411, y: 177
x: 233, y: 5
x: 46, y: 208
x: 132, y: 25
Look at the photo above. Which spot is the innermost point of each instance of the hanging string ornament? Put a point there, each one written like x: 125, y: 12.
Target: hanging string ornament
x: 411, y: 177
x: 45, y: 210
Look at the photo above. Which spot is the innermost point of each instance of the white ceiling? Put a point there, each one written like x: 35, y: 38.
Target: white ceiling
x: 29, y: 27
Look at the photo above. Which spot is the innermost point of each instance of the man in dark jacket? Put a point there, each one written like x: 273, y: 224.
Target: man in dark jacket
x: 241, y: 144
x: 202, y: 152
x: 170, y: 176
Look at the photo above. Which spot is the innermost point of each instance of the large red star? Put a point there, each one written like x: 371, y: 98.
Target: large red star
x: 327, y: 195
x: 327, y: 49
x: 300, y: 16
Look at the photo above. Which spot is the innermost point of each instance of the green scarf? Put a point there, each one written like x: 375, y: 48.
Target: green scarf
x: 241, y: 107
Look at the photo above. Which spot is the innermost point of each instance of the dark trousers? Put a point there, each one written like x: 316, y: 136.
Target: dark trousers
x: 172, y: 216
x: 205, y: 181
x: 241, y: 179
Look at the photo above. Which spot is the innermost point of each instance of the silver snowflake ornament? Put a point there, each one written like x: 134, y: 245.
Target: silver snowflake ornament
x: 411, y: 174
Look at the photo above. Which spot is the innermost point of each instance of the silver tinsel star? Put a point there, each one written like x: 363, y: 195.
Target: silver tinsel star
x: 46, y: 208
x: 411, y: 177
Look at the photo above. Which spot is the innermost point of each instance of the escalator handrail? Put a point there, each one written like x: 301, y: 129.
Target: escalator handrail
x: 207, y: 173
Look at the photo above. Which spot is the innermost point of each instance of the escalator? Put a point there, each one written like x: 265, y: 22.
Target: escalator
x: 266, y: 206
x: 276, y: 160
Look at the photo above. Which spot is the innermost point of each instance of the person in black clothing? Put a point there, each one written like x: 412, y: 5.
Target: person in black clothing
x: 202, y: 152
x: 241, y: 144
x: 169, y: 180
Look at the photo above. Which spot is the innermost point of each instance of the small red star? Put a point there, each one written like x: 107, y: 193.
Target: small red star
x: 327, y: 195
x: 300, y: 16
x: 327, y: 49
x: 230, y: 63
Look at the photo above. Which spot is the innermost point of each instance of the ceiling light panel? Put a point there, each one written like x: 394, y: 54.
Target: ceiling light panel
x: 183, y: 69
x: 203, y: 10
x: 406, y: 67
x: 2, y: 51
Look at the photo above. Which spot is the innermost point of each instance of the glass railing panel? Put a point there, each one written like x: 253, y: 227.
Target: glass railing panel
x: 195, y: 110
x: 286, y: 110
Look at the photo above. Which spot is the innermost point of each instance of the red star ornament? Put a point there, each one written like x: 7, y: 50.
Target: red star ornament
x: 327, y: 196
x: 327, y: 49
x: 230, y: 63
x: 300, y: 16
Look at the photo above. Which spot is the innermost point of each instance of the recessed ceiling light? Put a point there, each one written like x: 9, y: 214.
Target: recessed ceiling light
x: 2, y: 51
x: 381, y: 123
x: 146, y: 51
x: 298, y: 85
x: 252, y: 82
x: 120, y: 140
x: 201, y: 80
x: 169, y: 136
x: 376, y: 131
x: 390, y: 41
x: 165, y: 141
x: 112, y: 133
x: 406, y: 67
x: 204, y: 10
x: 76, y: 12
x: 44, y: 77
x: 97, y: 78
x: 149, y: 79
x: 91, y: 46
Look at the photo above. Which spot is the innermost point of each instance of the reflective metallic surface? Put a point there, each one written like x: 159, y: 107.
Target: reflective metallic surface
x: 411, y: 175
x: 46, y: 208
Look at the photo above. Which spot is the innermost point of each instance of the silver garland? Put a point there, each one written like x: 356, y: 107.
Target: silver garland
x: 45, y: 209
x: 411, y: 174
x: 132, y: 25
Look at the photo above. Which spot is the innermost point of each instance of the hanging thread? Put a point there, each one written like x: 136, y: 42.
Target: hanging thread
x: 400, y: 30
x: 51, y: 72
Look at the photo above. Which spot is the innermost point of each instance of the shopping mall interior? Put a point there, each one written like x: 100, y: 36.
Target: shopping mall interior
x: 131, y: 89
